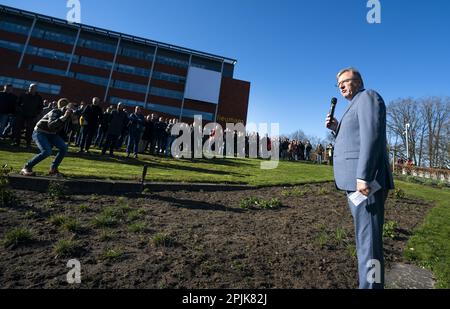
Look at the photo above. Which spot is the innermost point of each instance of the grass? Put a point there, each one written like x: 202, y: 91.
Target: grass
x: 58, y: 220
x: 255, y: 202
x: 389, y: 229
x: 234, y: 171
x: 295, y: 192
x: 72, y: 225
x: 430, y: 244
x: 67, y: 247
x: 162, y: 240
x: 113, y: 254
x: 137, y: 227
x: 107, y: 235
x: 17, y: 237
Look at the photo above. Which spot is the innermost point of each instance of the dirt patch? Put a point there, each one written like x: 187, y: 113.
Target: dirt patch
x: 194, y: 239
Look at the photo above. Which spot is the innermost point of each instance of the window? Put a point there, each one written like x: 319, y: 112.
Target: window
x: 14, y: 27
x: 24, y: 84
x: 169, y: 77
x: 98, y: 45
x: 190, y: 113
x: 169, y: 110
x: 11, y: 45
x: 115, y: 100
x: 120, y: 84
x: 49, y: 53
x: 97, y: 80
x: 183, y: 64
x: 206, y: 64
x: 47, y: 70
x: 137, y: 53
x: 132, y: 70
x: 48, y: 33
x: 93, y: 62
x: 173, y: 94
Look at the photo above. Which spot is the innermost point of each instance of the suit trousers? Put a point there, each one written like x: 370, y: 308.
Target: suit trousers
x: 368, y: 218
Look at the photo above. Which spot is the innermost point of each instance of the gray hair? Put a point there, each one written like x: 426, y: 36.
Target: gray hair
x: 354, y: 71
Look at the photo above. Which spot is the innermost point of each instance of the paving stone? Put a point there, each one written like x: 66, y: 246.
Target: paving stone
x: 407, y: 276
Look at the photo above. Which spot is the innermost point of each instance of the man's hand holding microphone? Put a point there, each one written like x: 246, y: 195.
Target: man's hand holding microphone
x: 331, y: 122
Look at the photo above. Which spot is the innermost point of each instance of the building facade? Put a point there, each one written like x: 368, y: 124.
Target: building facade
x: 79, y: 62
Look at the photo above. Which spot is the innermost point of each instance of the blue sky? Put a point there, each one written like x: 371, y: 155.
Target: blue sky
x: 291, y: 50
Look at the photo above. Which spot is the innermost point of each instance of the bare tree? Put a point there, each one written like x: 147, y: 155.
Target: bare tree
x: 400, y: 113
x: 429, y: 127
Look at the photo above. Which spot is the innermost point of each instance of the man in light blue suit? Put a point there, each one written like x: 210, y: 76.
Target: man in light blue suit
x: 360, y: 157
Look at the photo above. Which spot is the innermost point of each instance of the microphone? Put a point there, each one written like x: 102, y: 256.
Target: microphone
x: 332, y: 107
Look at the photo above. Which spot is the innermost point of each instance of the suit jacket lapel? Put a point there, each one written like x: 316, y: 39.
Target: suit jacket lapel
x: 346, y: 111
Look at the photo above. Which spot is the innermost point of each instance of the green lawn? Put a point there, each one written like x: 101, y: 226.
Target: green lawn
x: 237, y: 171
x: 430, y: 244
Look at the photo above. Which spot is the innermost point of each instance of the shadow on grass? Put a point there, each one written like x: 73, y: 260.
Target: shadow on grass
x: 151, y: 162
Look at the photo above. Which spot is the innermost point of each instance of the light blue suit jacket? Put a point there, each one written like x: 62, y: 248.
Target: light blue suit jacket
x: 360, y: 150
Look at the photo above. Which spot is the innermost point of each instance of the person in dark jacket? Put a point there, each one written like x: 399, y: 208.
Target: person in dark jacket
x: 8, y: 103
x: 116, y: 122
x: 46, y: 137
x: 136, y: 127
x: 29, y: 107
x: 91, y: 115
x: 148, y: 132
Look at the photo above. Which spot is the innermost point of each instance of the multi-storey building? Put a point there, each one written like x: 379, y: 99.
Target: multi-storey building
x: 79, y: 62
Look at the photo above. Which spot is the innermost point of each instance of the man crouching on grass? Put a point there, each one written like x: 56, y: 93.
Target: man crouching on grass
x: 46, y: 136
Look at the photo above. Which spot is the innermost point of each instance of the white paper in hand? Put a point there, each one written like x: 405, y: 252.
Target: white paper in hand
x: 357, y: 198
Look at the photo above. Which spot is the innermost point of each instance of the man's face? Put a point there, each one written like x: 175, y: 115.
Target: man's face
x: 349, y: 85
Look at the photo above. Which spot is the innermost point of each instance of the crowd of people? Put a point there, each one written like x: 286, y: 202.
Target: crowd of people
x: 90, y: 124
x: 297, y: 150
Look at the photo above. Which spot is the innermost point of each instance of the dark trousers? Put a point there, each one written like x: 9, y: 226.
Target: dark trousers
x: 88, y: 135
x: 110, y: 143
x: 21, y: 123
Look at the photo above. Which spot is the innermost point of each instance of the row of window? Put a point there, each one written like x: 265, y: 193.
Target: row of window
x: 92, y: 79
x: 42, y: 32
x: 97, y: 45
x: 169, y: 110
x: 169, y: 77
x: 133, y: 87
x: 50, y: 35
x: 136, y: 53
x: 13, y: 27
x: 50, y: 53
x: 11, y: 45
x: 161, y: 92
x: 47, y: 70
x: 94, y: 62
x: 25, y: 84
x: 118, y: 84
x: 178, y: 63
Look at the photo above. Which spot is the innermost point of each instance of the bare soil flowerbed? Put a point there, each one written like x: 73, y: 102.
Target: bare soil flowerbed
x: 190, y: 239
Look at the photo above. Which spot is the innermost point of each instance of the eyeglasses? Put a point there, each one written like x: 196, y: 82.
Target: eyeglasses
x: 338, y: 85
